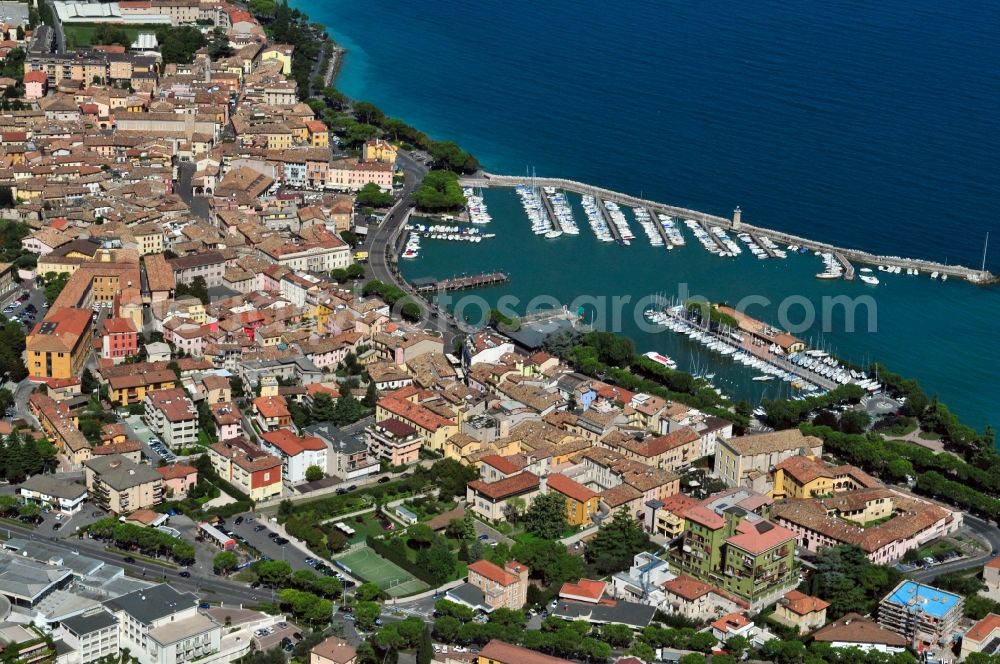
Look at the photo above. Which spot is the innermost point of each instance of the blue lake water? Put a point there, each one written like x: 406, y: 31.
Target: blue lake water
x: 866, y: 125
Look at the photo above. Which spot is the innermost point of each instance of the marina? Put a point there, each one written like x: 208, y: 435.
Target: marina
x: 845, y: 256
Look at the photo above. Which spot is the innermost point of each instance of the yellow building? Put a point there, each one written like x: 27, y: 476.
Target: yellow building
x: 58, y: 345
x: 319, y: 135
x: 402, y: 405
x: 282, y: 53
x: 379, y: 150
x: 667, y: 517
x: 581, y: 502
x: 132, y: 387
x: 808, y: 477
x: 148, y: 238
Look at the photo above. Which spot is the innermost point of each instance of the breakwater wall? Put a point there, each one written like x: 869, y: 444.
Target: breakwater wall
x: 978, y: 277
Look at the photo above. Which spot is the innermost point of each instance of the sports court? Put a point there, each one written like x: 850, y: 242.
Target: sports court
x: 369, y: 566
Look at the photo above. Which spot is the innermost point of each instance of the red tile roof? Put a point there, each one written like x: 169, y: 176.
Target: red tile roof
x: 505, y: 466
x: 800, y: 603
x: 585, y: 588
x: 984, y: 628
x: 570, y: 488
x: 507, y: 487
x: 731, y: 622
x: 493, y: 572
x: 505, y: 653
x: 290, y: 444
x: 760, y: 536
x: 176, y: 471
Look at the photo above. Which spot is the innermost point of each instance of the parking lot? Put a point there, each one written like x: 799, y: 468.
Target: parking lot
x: 152, y: 447
x: 256, y: 533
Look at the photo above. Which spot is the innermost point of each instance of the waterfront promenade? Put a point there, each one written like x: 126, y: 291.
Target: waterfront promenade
x: 845, y: 255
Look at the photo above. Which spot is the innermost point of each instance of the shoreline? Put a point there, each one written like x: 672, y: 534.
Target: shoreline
x: 975, y: 277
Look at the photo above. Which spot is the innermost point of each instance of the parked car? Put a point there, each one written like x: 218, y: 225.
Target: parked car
x: 129, y: 559
x: 383, y: 480
x: 281, y: 541
x: 238, y: 521
x: 258, y: 528
x: 57, y: 526
x: 184, y: 574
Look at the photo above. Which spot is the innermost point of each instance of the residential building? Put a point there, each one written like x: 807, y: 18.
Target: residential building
x: 983, y: 637
x: 119, y: 339
x: 747, y: 461
x: 173, y: 416
x: 581, y: 503
x: 228, y: 420
x: 122, y: 486
x: 395, y: 441
x: 738, y: 550
x: 501, y: 587
x: 991, y: 577
x: 697, y: 600
x: 92, y: 635
x: 271, y: 413
x: 808, y: 477
x: 803, y: 612
x: 403, y: 405
x: 333, y: 650
x: 178, y: 479
x: 922, y: 614
x: 49, y: 490
x: 247, y: 467
x: 886, y: 523
x: 347, y: 455
x: 133, y: 384
x: 58, y: 345
x: 491, y: 500
x: 855, y: 631
x: 297, y: 453
x: 501, y: 652
x: 160, y: 625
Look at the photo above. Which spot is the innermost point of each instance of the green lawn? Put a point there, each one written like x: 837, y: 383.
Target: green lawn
x: 369, y: 526
x: 81, y: 34
x: 391, y: 578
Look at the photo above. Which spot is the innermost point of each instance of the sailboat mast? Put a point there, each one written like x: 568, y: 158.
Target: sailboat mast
x: 985, y: 244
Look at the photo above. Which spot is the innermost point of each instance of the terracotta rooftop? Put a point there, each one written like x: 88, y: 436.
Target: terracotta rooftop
x: 506, y: 488
x: 802, y: 604
x: 569, y: 488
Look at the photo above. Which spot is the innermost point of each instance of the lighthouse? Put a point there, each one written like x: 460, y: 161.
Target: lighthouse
x: 737, y: 213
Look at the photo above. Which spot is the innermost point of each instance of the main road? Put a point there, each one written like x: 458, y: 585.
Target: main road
x: 987, y: 530
x: 384, y: 239
x: 203, y: 583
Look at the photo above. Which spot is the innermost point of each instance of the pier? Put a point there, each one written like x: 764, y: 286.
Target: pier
x: 767, y: 250
x: 715, y: 238
x: 606, y: 215
x: 979, y: 277
x: 556, y: 226
x: 461, y: 282
x: 667, y: 244
x: 846, y: 264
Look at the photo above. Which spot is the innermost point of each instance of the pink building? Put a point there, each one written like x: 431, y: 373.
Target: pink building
x: 119, y: 339
x: 35, y: 84
x: 227, y: 420
x: 178, y: 478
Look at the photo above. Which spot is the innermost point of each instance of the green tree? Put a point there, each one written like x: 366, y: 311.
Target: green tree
x: 546, y: 517
x: 643, y: 651
x: 849, y: 581
x: 366, y: 613
x: 619, y: 636
x: 616, y: 543
x: 425, y: 649
x: 314, y: 473
x: 225, y: 562
x: 368, y: 592
x: 439, y: 191
x: 373, y: 196
x: 54, y: 284
x: 438, y: 561
x: 855, y: 421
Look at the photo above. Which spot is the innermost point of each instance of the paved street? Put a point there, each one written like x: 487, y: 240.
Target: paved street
x: 984, y: 529
x: 202, y: 582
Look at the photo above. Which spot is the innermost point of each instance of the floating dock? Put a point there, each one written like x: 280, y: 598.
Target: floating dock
x: 979, y: 277
x: 767, y: 250
x: 606, y: 215
x: 547, y: 204
x: 846, y: 264
x: 461, y: 282
x: 667, y: 244
x: 715, y: 238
